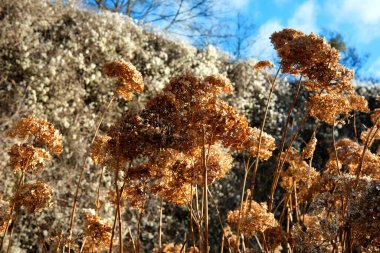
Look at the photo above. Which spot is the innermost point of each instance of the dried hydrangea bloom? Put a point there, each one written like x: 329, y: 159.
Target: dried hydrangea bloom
x: 311, y: 57
x: 349, y: 153
x: 137, y: 195
x: 168, y: 248
x: 5, y: 214
x: 42, y: 131
x: 300, y: 174
x: 178, y: 193
x: 98, y: 149
x: 130, y: 79
x: 309, y: 149
x: 263, y: 64
x: 375, y: 117
x: 364, y: 216
x: 267, y: 144
x: 255, y: 218
x: 27, y: 158
x: 274, y: 236
x: 371, y: 134
x: 327, y: 107
x: 97, y: 233
x: 217, y: 84
x: 358, y: 103
x: 219, y: 162
x: 34, y: 197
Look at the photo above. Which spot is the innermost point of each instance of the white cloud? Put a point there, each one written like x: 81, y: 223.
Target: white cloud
x: 374, y: 69
x: 362, y: 15
x: 262, y: 47
x: 304, y: 17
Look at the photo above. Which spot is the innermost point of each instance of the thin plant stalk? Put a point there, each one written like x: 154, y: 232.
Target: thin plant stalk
x: 160, y: 225
x: 12, y: 230
x: 97, y: 203
x: 273, y: 84
x: 72, y: 216
x: 205, y: 200
x: 275, y: 180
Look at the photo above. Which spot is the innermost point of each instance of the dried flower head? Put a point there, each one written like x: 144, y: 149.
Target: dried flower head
x: 309, y: 149
x: 97, y: 233
x: 33, y: 196
x: 358, y: 103
x: 5, y: 214
x: 375, y: 117
x: 371, y: 134
x: 27, y: 158
x: 42, y: 131
x: 267, y: 144
x: 255, y: 218
x: 328, y: 107
x: 299, y: 175
x: 217, y: 84
x: 169, y: 248
x: 130, y: 79
x: 311, y: 57
x: 349, y: 154
x: 263, y: 64
x: 99, y: 148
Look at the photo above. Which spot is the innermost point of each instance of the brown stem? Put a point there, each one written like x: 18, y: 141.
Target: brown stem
x: 12, y: 230
x: 261, y: 134
x: 97, y: 202
x: 205, y: 195
x: 277, y: 171
x: 160, y: 227
x: 72, y: 216
x: 335, y: 151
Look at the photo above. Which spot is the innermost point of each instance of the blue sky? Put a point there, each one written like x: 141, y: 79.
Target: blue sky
x: 357, y: 20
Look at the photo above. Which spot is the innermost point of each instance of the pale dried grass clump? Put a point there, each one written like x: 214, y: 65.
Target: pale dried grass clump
x: 34, y: 197
x: 130, y: 79
x: 254, y: 218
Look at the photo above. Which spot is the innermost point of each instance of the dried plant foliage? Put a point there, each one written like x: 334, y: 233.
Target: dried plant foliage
x: 350, y: 154
x: 97, y: 233
x: 309, y: 149
x: 299, y: 175
x: 34, y: 197
x: 130, y: 80
x: 5, y: 214
x: 263, y: 64
x: 254, y: 218
x: 41, y: 130
x: 27, y: 158
x: 312, y: 57
x: 169, y: 248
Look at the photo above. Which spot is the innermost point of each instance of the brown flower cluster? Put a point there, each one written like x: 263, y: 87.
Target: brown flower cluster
x: 33, y: 196
x: 299, y: 175
x: 5, y: 214
x: 309, y: 149
x: 263, y: 64
x: 349, y: 154
x: 168, y: 141
x: 130, y: 80
x: 97, y: 233
x: 41, y: 130
x: 311, y: 57
x: 254, y: 218
x: 27, y: 158
x: 328, y: 107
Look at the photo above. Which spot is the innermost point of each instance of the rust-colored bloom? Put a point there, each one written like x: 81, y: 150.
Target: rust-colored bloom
x: 97, y: 233
x: 263, y: 64
x: 254, y: 218
x: 33, y: 196
x: 27, y: 158
x: 42, y: 131
x: 130, y: 79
